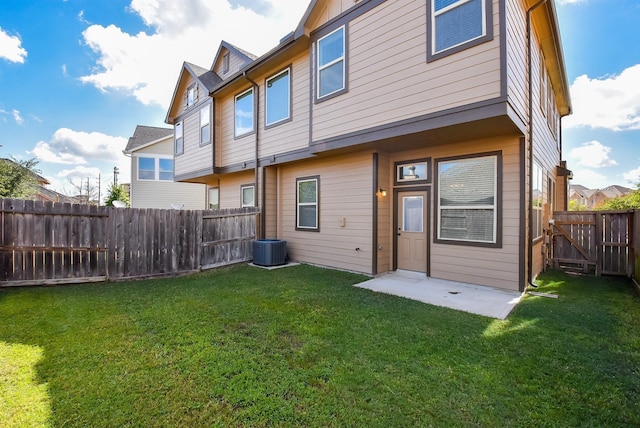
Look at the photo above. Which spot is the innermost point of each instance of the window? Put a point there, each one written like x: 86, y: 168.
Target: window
x: 178, y: 138
x: 225, y: 63
x: 278, y: 99
x: 247, y: 195
x: 205, y: 127
x: 214, y: 198
x: 413, y: 172
x: 244, y: 113
x: 538, y: 177
x: 331, y: 63
x: 307, y: 203
x: 468, y: 199
x: 459, y: 23
x: 192, y: 95
x: 155, y: 168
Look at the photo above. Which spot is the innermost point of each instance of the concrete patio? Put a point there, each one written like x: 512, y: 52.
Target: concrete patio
x: 476, y: 299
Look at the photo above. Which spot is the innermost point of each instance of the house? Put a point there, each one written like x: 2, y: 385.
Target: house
x: 383, y: 135
x: 42, y: 193
x: 152, y: 184
x: 593, y: 198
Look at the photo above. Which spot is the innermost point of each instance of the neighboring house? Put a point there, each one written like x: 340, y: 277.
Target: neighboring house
x: 384, y: 135
x: 593, y: 198
x: 152, y: 184
x: 44, y: 194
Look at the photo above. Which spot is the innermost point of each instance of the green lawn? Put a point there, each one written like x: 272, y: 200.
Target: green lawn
x: 299, y: 346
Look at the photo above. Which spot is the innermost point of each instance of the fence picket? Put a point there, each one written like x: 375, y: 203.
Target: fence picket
x: 53, y: 243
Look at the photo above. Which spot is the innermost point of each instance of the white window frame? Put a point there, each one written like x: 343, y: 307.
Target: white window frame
x: 266, y: 102
x: 156, y: 167
x: 192, y: 95
x: 494, y: 207
x: 315, y: 203
x: 538, y: 203
x: 205, y: 120
x: 253, y: 194
x: 178, y: 138
x: 214, y: 193
x: 436, y: 13
x: 235, y: 113
x: 342, y: 58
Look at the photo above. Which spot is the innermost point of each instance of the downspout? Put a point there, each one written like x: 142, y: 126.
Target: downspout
x: 530, y: 138
x: 256, y: 168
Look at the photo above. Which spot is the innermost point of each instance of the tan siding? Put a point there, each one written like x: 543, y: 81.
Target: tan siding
x: 195, y: 157
x: 345, y: 192
x: 331, y: 10
x: 390, y: 80
x: 517, y: 85
x: 496, y: 267
x: 385, y: 217
x: 230, y: 188
x: 271, y: 203
x: 232, y: 150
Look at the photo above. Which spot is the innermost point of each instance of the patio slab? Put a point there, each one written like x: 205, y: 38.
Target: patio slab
x: 476, y: 299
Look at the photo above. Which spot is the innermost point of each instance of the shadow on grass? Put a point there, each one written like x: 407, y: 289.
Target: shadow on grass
x: 301, y: 346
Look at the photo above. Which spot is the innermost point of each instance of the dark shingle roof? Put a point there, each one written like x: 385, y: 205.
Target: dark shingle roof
x: 146, y: 134
x: 207, y: 77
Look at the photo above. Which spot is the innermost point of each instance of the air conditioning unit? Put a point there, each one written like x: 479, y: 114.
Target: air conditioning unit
x: 269, y: 252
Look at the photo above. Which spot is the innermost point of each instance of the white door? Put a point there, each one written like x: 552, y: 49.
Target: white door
x: 412, y: 237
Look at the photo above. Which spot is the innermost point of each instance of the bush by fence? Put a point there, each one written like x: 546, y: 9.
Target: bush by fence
x: 48, y: 243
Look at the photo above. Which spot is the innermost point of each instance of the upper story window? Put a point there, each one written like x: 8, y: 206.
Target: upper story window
x: 538, y: 180
x: 244, y: 113
x: 458, y: 24
x: 467, y: 201
x: 331, y: 63
x: 278, y: 99
x: 192, y: 95
x: 178, y: 138
x: 154, y: 168
x: 205, y: 124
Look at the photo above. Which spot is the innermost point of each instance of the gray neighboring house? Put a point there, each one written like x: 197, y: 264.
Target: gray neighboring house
x: 152, y: 185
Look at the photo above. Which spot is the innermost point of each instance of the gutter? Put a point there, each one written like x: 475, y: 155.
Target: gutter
x: 529, y: 281
x: 257, y: 144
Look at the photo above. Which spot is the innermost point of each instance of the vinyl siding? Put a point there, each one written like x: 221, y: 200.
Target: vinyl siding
x: 345, y: 192
x: 161, y: 194
x: 271, y: 203
x: 331, y: 10
x: 390, y: 80
x: 385, y: 214
x: 495, y: 267
x: 235, y: 64
x: 517, y: 85
x: 233, y: 150
x: 230, y: 188
x: 195, y: 157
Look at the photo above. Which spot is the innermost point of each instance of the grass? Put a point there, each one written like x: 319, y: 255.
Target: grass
x: 299, y: 346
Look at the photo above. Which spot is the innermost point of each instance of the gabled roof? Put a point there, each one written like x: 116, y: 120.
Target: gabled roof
x: 247, y: 56
x: 145, y: 135
x: 206, y: 78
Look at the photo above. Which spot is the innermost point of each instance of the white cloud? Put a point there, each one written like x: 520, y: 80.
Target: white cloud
x: 571, y: 1
x: 611, y: 102
x: 592, y: 154
x: 146, y: 65
x: 632, y: 176
x: 11, y: 48
x: 76, y: 147
x: 589, y: 178
x: 16, y: 116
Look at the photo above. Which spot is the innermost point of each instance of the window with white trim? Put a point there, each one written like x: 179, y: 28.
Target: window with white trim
x: 457, y: 22
x: 278, y: 98
x: 330, y: 54
x: 307, y: 211
x: 468, y: 199
x: 205, y: 124
x: 244, y: 123
x: 178, y: 138
x: 155, y: 168
x: 192, y: 95
x: 247, y: 195
x: 214, y: 198
x: 538, y: 180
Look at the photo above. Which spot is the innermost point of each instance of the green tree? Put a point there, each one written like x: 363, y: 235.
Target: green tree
x: 626, y: 202
x: 117, y: 193
x: 18, y: 179
x: 575, y: 206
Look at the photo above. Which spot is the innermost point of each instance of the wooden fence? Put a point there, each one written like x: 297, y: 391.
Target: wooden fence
x: 602, y: 242
x: 49, y: 243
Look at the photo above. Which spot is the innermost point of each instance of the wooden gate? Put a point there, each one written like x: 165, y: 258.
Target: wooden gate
x: 598, y: 241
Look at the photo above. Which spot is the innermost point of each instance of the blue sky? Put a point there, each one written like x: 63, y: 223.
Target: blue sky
x: 77, y: 76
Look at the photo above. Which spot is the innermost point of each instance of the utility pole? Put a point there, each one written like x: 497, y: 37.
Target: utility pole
x: 99, y: 189
x: 115, y: 176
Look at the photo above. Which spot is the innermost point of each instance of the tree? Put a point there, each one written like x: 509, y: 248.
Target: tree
x: 18, y: 179
x: 85, y: 192
x: 630, y: 201
x: 116, y: 193
x: 576, y: 206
